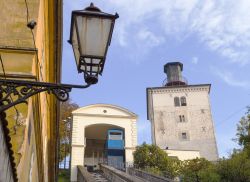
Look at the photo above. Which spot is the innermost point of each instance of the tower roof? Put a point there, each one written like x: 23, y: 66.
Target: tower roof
x: 174, y: 63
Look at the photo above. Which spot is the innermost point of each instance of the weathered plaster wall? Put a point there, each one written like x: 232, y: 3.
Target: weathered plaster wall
x: 38, y: 143
x: 14, y: 31
x: 183, y: 154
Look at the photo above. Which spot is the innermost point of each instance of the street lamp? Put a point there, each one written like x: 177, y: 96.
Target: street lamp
x: 90, y: 36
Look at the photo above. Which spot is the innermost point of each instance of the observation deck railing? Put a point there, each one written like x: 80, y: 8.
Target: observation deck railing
x: 175, y: 81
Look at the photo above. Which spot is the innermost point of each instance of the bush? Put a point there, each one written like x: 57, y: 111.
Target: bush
x: 197, y: 170
x: 152, y: 159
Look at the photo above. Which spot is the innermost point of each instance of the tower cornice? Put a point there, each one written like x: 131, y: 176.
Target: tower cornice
x: 176, y: 89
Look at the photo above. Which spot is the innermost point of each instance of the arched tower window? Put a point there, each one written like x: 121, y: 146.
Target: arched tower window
x: 176, y: 102
x: 183, y: 101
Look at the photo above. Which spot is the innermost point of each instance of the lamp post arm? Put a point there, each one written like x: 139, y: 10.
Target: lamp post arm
x: 18, y: 91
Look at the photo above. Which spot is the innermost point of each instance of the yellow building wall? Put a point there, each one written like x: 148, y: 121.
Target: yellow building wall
x: 35, y: 142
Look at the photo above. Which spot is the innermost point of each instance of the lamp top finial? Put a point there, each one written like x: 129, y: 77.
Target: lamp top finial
x: 92, y: 7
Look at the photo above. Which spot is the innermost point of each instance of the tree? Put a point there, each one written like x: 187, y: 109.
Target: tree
x: 198, y: 170
x: 151, y: 158
x: 243, y: 131
x: 66, y: 109
x: 236, y: 168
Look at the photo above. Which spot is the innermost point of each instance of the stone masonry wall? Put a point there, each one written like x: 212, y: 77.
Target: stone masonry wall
x: 198, y: 124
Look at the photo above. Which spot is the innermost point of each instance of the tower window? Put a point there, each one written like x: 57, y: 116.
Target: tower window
x: 180, y: 101
x: 183, y: 101
x: 182, y: 118
x: 184, y: 135
x: 176, y: 102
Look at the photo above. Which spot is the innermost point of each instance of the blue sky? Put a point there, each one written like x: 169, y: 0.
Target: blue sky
x: 211, y: 38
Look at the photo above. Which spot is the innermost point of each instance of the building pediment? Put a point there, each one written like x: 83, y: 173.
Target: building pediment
x: 103, y: 110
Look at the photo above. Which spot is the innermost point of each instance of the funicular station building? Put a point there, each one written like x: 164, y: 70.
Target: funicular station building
x: 102, y: 133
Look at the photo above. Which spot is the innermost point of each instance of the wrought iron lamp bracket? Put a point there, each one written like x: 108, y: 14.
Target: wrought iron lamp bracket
x: 18, y: 91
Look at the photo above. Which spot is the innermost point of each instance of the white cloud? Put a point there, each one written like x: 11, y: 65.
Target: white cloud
x: 150, y: 38
x: 230, y: 79
x: 195, y: 60
x: 122, y: 36
x: 222, y: 26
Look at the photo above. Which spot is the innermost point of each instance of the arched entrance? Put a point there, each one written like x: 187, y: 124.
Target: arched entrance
x: 90, y: 125
x: 96, y: 137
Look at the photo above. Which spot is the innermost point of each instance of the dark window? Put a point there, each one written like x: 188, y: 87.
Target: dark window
x: 181, y: 118
x: 115, y: 133
x: 184, y: 136
x: 183, y: 101
x: 115, y: 136
x: 176, y: 102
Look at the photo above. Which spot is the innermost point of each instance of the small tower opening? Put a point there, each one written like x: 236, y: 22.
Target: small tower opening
x: 174, y: 74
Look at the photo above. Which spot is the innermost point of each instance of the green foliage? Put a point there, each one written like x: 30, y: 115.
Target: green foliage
x: 66, y: 109
x: 63, y: 175
x: 243, y: 131
x: 237, y: 168
x: 198, y: 170
x: 209, y: 174
x: 152, y: 159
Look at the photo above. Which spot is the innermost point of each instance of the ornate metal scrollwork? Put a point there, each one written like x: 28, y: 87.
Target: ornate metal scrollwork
x: 18, y: 91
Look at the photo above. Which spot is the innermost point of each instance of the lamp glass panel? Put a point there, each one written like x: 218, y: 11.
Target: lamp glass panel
x: 82, y: 67
x: 94, y: 64
x: 95, y: 69
x: 96, y: 61
x: 85, y: 69
x: 88, y: 68
x: 87, y: 60
x: 93, y: 34
x: 75, y: 45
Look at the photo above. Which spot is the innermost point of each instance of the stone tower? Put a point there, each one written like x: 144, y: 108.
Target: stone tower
x: 180, y: 115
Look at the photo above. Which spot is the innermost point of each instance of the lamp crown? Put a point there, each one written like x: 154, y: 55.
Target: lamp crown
x: 92, y: 7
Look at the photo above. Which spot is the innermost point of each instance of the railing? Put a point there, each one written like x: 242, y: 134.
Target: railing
x: 148, y: 176
x: 132, y: 171
x: 118, y: 165
x: 116, y: 175
x: 83, y: 175
x: 175, y: 81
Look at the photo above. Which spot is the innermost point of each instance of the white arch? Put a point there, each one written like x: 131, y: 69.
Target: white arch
x: 98, y: 109
x: 100, y: 114
x: 86, y: 126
